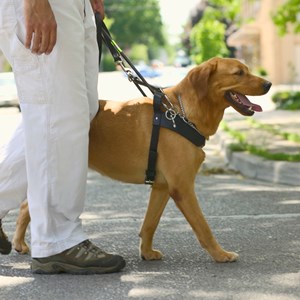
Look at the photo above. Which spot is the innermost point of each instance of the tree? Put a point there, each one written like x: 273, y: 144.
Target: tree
x: 135, y: 22
x: 226, y: 10
x: 288, y: 14
x: 208, y: 36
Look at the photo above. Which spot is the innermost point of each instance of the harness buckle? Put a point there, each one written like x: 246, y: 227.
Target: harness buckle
x: 149, y: 182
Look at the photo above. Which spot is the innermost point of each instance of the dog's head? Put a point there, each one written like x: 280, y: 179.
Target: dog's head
x: 226, y: 82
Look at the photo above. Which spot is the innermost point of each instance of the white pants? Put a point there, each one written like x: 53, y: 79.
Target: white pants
x: 46, y: 160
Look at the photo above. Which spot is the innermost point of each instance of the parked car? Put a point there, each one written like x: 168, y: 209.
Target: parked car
x: 147, y: 71
x: 8, y: 90
x: 182, y: 60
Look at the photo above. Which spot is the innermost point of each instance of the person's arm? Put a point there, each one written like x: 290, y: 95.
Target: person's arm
x: 41, y: 27
x: 98, y: 6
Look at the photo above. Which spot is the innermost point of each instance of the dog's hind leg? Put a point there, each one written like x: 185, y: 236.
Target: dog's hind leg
x: 187, y: 202
x: 23, y: 220
x: 157, y: 203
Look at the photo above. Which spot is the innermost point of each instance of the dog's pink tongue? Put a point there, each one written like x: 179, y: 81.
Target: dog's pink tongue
x: 246, y: 102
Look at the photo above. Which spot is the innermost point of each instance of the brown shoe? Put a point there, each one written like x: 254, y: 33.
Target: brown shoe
x: 5, y: 244
x: 84, y: 258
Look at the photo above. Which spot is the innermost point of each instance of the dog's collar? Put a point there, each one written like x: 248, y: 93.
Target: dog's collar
x: 181, y: 106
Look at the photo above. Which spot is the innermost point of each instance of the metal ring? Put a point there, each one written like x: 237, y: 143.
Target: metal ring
x: 170, y: 114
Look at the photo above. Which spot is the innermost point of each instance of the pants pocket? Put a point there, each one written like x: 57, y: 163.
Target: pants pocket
x: 28, y: 73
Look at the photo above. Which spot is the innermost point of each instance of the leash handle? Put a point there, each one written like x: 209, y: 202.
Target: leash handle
x: 104, y: 35
x: 99, y: 38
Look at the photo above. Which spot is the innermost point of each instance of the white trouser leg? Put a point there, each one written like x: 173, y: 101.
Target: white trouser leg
x: 13, y: 177
x: 57, y: 101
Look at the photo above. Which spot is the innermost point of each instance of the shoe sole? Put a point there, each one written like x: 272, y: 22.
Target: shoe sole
x: 57, y: 268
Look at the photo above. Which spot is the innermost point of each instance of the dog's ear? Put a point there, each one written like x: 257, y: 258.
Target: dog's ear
x: 199, y: 77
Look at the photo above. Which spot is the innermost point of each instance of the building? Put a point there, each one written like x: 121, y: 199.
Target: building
x: 259, y: 45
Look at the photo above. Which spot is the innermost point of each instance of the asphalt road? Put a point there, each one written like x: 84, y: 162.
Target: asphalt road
x: 260, y: 221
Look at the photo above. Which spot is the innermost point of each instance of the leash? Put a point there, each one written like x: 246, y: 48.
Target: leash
x: 169, y: 118
x: 120, y: 58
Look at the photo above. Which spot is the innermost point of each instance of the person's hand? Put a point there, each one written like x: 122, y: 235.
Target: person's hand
x: 98, y: 6
x: 41, y: 27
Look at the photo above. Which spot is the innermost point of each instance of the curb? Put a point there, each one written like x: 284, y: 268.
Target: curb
x: 255, y: 167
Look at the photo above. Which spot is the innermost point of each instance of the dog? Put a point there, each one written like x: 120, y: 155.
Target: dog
x: 120, y: 137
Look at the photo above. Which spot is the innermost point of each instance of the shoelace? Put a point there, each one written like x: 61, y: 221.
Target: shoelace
x: 91, y: 248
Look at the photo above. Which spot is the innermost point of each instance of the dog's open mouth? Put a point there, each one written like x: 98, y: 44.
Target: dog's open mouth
x: 241, y: 103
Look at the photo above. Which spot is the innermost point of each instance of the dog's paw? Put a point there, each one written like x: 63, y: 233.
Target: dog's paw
x: 152, y: 255
x: 226, y: 257
x: 21, y: 247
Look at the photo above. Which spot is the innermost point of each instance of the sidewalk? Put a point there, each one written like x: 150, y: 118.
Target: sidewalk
x: 256, y: 167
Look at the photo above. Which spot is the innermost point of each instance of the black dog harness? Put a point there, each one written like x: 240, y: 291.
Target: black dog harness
x: 163, y: 116
x: 177, y: 123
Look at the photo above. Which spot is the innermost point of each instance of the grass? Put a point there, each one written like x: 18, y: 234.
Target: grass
x: 243, y: 145
x: 288, y: 100
x: 293, y: 137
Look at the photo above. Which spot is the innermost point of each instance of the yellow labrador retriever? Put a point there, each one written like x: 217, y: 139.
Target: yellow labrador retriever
x: 120, y: 137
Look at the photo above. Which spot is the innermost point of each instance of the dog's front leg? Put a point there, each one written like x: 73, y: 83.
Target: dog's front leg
x: 157, y: 203
x: 187, y: 202
x: 23, y: 220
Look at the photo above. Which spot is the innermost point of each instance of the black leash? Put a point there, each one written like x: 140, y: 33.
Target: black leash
x: 99, y: 37
x: 161, y: 118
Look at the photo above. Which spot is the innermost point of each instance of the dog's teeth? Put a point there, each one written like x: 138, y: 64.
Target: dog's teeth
x: 235, y: 97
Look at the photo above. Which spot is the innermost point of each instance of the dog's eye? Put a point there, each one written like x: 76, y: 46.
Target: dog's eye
x: 239, y: 72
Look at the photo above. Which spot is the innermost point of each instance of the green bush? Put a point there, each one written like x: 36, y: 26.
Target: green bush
x: 138, y: 53
x: 262, y: 72
x: 108, y: 63
x: 287, y: 100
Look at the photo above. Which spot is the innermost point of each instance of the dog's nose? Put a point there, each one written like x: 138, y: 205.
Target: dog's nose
x: 267, y: 85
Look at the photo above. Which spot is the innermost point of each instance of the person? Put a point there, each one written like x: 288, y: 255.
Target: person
x: 52, y: 48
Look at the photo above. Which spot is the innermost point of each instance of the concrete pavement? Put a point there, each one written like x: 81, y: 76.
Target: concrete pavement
x: 253, y: 166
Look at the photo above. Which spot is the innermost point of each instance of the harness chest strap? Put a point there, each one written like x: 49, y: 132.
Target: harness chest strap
x: 157, y: 116
x: 182, y: 128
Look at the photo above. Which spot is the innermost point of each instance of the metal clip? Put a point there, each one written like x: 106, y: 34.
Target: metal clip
x: 127, y: 71
x: 149, y: 182
x: 171, y: 115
